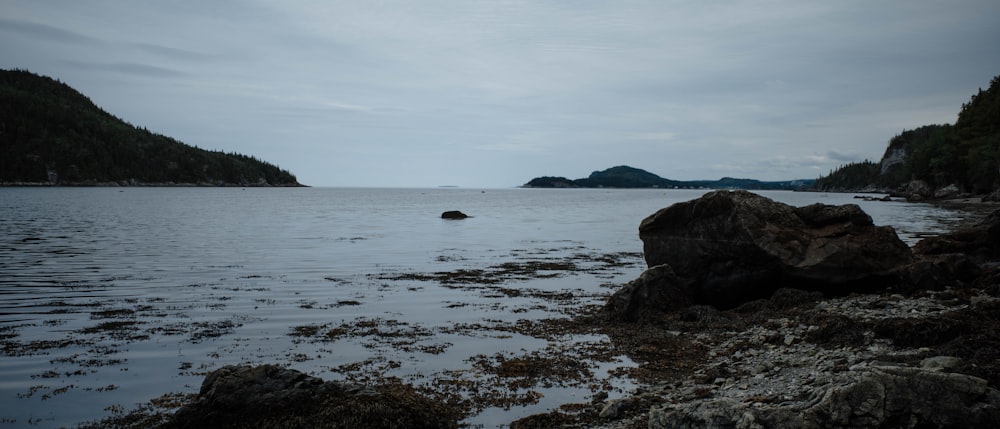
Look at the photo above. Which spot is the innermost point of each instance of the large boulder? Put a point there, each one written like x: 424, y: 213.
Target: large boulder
x: 947, y: 192
x: 729, y: 247
x: 917, y: 190
x: 268, y: 396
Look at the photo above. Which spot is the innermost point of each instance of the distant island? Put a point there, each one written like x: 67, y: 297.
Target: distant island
x: 624, y: 176
x: 50, y: 134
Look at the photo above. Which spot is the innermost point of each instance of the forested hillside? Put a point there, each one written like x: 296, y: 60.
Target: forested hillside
x: 966, y: 154
x: 52, y: 134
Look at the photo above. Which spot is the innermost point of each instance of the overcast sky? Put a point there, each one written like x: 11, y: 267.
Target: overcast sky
x: 494, y: 93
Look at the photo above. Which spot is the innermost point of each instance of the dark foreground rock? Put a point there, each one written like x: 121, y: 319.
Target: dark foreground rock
x: 730, y: 247
x: 269, y: 396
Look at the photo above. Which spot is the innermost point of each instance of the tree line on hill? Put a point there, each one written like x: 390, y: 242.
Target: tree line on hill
x: 965, y: 155
x: 52, y: 134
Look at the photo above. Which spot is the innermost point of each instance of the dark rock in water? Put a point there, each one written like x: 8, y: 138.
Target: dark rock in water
x: 453, y: 214
x: 270, y: 396
x: 730, y: 247
x: 879, y: 397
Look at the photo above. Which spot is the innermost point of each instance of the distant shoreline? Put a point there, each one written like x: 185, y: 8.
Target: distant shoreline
x: 145, y: 185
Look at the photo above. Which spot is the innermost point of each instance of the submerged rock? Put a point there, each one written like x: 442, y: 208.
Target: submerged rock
x: 730, y: 247
x: 269, y: 396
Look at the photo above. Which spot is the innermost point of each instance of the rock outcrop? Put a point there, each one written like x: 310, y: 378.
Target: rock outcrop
x: 730, y: 247
x: 268, y: 396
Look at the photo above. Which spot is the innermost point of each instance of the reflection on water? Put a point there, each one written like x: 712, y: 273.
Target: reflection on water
x: 111, y: 297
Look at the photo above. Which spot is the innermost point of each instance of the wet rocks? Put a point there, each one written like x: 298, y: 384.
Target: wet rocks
x: 865, y: 360
x: 453, y: 215
x: 730, y: 247
x: 271, y: 396
x: 980, y: 241
x: 886, y: 396
x: 921, y: 353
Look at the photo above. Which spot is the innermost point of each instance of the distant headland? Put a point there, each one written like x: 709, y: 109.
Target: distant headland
x: 935, y: 162
x: 624, y: 176
x: 50, y: 134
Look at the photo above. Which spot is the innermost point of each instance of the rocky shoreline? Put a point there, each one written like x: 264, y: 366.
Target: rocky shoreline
x: 916, y: 347
x: 799, y: 360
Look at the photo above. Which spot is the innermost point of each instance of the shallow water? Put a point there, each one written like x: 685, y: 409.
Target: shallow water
x: 111, y: 297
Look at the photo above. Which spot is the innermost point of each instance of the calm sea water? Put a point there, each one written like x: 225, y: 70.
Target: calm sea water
x: 111, y: 297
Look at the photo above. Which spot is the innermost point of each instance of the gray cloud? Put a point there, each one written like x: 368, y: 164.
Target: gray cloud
x: 41, y: 32
x: 170, y: 53
x: 146, y: 70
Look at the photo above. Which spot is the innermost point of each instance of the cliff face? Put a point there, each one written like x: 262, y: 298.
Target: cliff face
x: 52, y: 134
x: 894, y: 156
